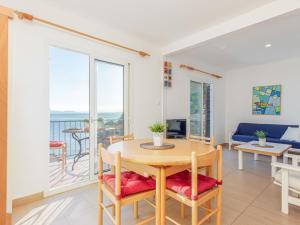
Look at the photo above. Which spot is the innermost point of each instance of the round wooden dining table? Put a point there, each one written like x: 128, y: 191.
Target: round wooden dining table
x: 138, y: 159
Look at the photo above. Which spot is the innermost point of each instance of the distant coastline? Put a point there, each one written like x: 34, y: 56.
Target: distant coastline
x: 73, y: 115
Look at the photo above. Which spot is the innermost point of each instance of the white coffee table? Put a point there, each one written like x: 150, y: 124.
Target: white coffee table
x: 271, y: 149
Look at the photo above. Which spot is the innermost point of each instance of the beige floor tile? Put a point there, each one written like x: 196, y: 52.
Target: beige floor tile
x: 249, y: 198
x: 255, y: 216
x: 40, y: 212
x: 270, y: 200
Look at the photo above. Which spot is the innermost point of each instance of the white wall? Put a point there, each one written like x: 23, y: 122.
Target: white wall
x: 29, y: 89
x: 239, y: 84
x: 177, y: 97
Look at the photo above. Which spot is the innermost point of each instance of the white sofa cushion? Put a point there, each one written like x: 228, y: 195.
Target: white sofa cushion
x: 294, y: 179
x: 291, y: 134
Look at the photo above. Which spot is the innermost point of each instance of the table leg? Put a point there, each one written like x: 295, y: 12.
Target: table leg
x: 163, y: 196
x: 255, y: 156
x: 240, y: 160
x: 158, y: 199
x: 274, y: 159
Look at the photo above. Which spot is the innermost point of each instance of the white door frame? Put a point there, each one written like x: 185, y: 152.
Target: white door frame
x: 211, y: 105
x: 93, y: 106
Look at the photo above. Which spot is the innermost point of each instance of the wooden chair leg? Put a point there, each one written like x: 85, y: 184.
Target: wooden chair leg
x: 219, y: 206
x: 113, y: 211
x: 100, y: 218
x: 65, y: 149
x: 182, y: 210
x: 136, y: 210
x: 208, y: 205
x: 209, y: 172
x: 194, y: 213
x: 118, y: 212
x: 64, y: 155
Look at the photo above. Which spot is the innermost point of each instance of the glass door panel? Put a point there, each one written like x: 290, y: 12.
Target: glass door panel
x: 206, y: 111
x: 110, y: 101
x: 196, y: 108
x: 69, y: 117
x: 200, y: 109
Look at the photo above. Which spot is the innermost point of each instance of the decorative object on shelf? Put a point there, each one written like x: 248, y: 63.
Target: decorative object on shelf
x: 266, y: 100
x: 167, y: 74
x: 158, y: 130
x: 261, y: 137
x: 151, y: 146
x: 198, y: 70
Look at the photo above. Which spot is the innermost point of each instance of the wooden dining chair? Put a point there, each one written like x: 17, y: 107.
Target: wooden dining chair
x: 195, y: 190
x: 122, y: 188
x: 115, y: 139
x: 208, y: 170
x: 205, y: 140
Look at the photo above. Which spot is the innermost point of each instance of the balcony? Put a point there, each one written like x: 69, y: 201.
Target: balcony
x: 76, y: 137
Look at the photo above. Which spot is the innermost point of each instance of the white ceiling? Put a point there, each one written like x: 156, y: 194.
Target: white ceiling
x: 246, y: 47
x: 159, y: 21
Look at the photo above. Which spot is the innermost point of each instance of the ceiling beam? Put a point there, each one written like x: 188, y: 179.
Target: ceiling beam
x: 255, y: 16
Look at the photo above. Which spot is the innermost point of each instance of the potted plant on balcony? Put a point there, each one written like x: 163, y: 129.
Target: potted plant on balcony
x: 158, y: 130
x: 261, y: 135
x: 86, y: 124
x: 100, y: 123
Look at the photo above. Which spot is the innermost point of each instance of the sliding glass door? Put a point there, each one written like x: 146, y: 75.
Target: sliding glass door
x: 111, y: 102
x: 88, y: 103
x: 200, y: 109
x: 69, y: 145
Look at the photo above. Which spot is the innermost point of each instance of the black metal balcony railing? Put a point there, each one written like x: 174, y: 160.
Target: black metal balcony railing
x: 57, y: 134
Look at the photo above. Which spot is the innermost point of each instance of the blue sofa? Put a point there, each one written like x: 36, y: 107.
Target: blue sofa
x: 245, y: 133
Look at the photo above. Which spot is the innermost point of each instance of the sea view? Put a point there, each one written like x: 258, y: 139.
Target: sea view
x: 67, y: 116
x: 111, y: 122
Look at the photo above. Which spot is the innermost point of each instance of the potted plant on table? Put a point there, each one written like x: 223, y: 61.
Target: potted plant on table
x: 158, y: 130
x: 261, y: 135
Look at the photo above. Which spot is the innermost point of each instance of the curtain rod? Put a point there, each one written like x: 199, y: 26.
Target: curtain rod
x: 26, y: 16
x: 198, y: 70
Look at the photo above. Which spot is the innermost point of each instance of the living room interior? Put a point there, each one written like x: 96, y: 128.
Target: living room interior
x: 114, y: 113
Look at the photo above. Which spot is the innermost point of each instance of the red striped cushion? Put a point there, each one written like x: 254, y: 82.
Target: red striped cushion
x: 131, y: 183
x: 182, y: 183
x: 56, y: 144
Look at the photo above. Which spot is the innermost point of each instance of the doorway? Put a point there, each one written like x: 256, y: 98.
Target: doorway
x: 88, y: 103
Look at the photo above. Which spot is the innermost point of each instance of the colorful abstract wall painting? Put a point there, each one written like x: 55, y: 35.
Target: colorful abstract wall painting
x: 266, y: 100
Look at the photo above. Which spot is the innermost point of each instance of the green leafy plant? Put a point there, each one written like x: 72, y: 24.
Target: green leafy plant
x: 260, y: 134
x: 157, y: 128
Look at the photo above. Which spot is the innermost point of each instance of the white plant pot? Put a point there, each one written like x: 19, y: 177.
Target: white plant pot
x: 158, y: 139
x: 262, y: 141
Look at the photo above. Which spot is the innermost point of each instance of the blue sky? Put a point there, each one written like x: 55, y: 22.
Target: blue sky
x: 69, y: 82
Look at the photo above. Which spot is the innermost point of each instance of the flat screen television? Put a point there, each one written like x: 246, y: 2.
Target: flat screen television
x: 176, y: 128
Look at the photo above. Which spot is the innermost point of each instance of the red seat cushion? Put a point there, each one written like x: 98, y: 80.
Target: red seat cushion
x: 182, y: 183
x: 56, y: 144
x: 131, y: 183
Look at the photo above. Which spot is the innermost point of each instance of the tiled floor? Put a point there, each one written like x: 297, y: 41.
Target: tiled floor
x: 249, y: 198
x: 59, y: 177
